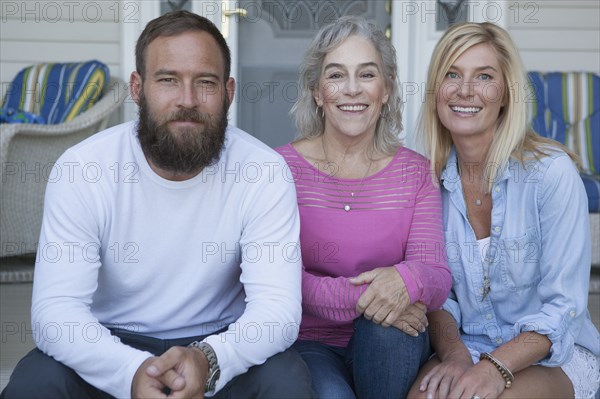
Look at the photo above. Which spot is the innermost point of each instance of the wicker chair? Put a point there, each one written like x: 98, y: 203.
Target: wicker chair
x: 27, y: 154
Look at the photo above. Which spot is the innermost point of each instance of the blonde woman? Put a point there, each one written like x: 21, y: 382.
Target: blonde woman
x: 517, y: 237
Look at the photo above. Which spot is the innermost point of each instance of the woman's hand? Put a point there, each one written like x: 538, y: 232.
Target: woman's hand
x: 413, y: 320
x: 385, y: 299
x: 442, y: 379
x: 481, y: 380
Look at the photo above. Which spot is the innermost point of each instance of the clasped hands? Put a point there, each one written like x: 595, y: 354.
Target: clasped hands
x: 386, y: 301
x: 180, y: 371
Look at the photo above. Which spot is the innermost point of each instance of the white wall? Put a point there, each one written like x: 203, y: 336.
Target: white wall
x: 60, y: 31
x: 557, y: 35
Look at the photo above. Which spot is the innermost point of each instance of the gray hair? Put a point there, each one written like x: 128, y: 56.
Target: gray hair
x: 308, y: 123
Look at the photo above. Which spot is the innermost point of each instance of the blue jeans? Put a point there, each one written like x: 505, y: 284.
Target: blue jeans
x: 379, y: 363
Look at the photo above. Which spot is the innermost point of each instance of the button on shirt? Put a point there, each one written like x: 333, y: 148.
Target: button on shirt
x: 539, y: 254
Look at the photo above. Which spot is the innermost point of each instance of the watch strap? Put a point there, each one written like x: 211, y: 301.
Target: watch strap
x: 214, y: 371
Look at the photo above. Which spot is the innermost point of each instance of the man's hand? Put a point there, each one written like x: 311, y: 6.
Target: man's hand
x: 145, y: 385
x: 189, y: 363
x: 386, y: 297
x: 182, y: 371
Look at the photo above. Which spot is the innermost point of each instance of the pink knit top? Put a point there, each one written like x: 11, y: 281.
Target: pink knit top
x: 394, y: 220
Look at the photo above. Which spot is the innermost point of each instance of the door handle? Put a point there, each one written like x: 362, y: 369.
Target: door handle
x: 238, y: 11
x: 227, y: 14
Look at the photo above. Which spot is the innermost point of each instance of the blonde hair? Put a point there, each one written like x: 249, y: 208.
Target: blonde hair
x: 514, y: 136
x: 308, y: 122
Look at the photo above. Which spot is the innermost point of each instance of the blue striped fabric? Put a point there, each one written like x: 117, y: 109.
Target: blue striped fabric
x: 592, y: 188
x: 567, y: 109
x: 57, y: 92
x: 537, y: 104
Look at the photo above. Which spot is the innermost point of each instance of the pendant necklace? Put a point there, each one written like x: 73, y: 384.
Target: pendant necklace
x: 487, y: 283
x: 347, y: 205
x: 477, y: 201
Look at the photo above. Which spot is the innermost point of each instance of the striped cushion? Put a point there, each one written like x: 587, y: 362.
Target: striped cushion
x: 592, y: 188
x: 57, y: 92
x: 567, y: 109
x: 537, y: 103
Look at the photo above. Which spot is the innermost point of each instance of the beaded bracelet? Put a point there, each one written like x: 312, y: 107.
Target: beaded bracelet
x: 506, y: 374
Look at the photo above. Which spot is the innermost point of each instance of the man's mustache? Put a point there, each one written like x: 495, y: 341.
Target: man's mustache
x: 188, y: 115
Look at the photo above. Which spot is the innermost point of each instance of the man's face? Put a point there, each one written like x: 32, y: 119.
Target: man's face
x: 183, y: 102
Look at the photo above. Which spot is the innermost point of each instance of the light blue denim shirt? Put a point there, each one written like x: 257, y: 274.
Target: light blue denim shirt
x: 539, y: 258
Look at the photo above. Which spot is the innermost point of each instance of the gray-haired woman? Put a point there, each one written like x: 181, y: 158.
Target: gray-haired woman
x: 370, y: 214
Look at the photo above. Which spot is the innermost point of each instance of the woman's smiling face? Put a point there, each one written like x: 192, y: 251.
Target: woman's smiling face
x: 472, y: 93
x: 352, y: 88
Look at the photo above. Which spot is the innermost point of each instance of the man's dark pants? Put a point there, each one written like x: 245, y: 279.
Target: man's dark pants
x: 37, y: 375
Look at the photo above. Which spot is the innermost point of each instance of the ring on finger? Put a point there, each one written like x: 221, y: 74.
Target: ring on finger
x: 475, y: 397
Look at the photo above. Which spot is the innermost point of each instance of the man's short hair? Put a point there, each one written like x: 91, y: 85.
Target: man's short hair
x: 175, y: 23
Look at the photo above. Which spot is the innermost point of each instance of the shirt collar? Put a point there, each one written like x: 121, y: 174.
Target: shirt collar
x: 451, y: 178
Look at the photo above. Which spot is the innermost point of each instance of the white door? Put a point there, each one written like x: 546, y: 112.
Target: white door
x: 268, y: 39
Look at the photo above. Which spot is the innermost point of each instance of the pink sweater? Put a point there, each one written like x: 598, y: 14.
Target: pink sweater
x: 395, y: 219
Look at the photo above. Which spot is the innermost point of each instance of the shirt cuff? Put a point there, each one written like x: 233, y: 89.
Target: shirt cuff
x: 413, y: 287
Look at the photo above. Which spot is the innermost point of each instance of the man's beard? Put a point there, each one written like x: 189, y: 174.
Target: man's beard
x: 187, y: 151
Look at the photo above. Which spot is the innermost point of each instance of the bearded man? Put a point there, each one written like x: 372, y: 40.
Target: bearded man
x: 175, y: 272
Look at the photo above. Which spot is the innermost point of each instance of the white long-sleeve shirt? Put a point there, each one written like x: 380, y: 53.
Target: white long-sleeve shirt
x: 122, y: 247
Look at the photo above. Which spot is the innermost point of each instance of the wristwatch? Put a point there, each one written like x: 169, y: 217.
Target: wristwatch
x: 214, y: 371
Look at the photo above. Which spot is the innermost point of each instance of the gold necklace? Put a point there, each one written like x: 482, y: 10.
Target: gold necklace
x: 347, y: 205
